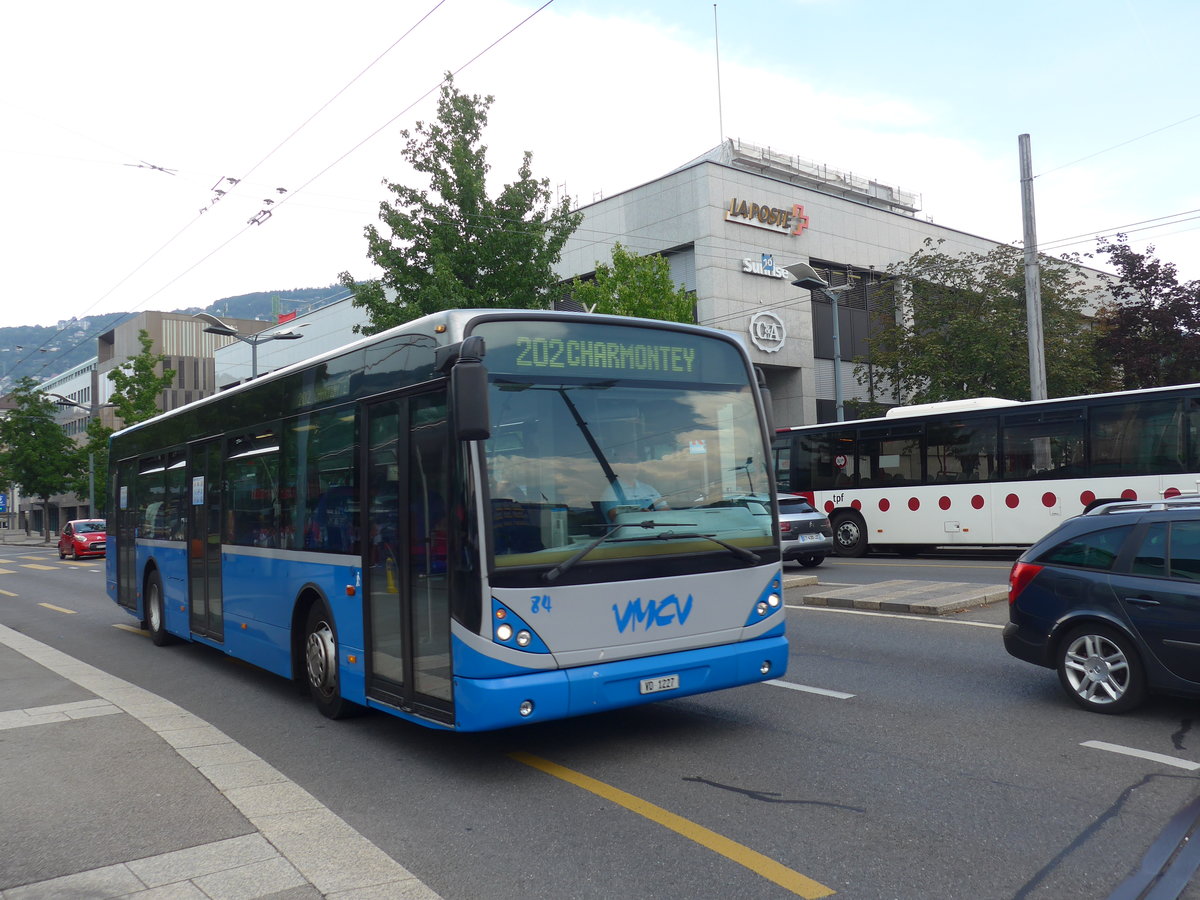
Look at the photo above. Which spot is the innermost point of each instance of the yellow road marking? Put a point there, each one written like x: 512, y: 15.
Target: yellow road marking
x: 69, y: 612
x: 7, y: 593
x: 134, y: 629
x: 31, y: 557
x: 7, y: 572
x: 732, y: 850
x: 41, y: 568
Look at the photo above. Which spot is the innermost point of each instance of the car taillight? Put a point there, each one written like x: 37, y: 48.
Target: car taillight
x: 785, y: 526
x: 1019, y: 577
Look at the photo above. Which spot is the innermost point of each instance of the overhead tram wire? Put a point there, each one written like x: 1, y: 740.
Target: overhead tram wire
x: 291, y: 194
x: 196, y: 218
x: 1192, y: 214
x: 408, y: 108
x: 1116, y: 146
x: 345, y: 88
x: 296, y: 191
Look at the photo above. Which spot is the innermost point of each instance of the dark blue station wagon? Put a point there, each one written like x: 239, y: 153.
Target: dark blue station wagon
x: 1111, y: 599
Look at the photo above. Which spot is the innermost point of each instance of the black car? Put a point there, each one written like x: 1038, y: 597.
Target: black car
x: 1111, y: 599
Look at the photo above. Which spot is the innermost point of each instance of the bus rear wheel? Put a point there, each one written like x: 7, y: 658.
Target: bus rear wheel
x: 156, y: 611
x: 849, y: 534
x: 321, y: 664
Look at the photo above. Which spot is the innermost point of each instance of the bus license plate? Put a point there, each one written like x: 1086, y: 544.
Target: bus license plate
x: 661, y: 683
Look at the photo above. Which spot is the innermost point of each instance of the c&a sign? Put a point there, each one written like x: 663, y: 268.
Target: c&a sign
x: 772, y: 218
x: 767, y: 332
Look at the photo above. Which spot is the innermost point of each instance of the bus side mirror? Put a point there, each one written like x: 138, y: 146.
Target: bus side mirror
x: 765, y: 393
x: 469, y: 392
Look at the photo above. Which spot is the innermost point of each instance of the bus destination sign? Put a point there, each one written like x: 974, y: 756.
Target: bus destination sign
x: 607, y: 350
x: 557, y: 353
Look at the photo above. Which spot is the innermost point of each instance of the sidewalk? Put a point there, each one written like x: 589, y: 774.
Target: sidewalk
x: 20, y: 538
x: 110, y: 791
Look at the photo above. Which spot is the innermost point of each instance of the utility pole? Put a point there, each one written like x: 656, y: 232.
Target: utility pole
x: 1033, y: 280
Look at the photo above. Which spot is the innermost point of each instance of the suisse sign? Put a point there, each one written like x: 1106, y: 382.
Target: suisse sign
x: 765, y: 266
x: 771, y: 218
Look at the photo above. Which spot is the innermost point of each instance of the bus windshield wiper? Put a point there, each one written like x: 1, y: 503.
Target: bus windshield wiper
x: 563, y: 567
x: 740, y: 552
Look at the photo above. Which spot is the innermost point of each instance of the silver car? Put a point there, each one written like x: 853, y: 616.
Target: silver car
x: 805, y: 534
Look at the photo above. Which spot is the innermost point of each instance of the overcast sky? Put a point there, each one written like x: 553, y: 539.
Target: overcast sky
x: 123, y: 119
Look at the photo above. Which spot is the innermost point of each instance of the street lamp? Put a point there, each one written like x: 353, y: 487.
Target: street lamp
x: 216, y: 326
x: 805, y: 276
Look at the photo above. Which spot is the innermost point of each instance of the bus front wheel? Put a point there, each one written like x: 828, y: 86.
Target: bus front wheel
x: 849, y: 535
x: 321, y: 663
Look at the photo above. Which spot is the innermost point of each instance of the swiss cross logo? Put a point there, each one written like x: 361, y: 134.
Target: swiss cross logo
x: 800, y: 217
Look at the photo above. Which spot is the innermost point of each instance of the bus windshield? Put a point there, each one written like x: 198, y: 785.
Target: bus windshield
x: 639, y: 449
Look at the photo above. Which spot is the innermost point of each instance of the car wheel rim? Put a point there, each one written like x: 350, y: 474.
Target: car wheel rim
x: 320, y: 654
x: 1097, y: 669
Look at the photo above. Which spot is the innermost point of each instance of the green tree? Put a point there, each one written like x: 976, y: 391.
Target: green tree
x: 454, y: 246
x: 35, y: 452
x: 635, y: 286
x: 1151, y: 329
x: 961, y: 331
x: 138, y: 386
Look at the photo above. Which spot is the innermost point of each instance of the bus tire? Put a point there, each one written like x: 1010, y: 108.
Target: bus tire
x: 849, y: 534
x: 156, y: 611
x: 321, y: 663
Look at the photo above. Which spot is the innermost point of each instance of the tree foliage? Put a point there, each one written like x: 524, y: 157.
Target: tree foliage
x: 1151, y: 329
x: 635, y: 286
x: 34, y: 450
x: 454, y: 246
x: 962, y: 329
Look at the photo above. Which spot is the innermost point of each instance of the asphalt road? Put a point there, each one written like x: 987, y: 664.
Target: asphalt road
x: 905, y: 757
x: 984, y: 567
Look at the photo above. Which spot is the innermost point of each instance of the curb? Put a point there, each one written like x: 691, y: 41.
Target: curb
x: 926, y: 598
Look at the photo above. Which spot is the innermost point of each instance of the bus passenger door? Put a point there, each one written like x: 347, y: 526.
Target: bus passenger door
x: 405, y: 554
x: 204, y: 539
x: 125, y: 528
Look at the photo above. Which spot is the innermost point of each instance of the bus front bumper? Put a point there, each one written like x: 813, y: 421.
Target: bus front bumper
x: 482, y: 704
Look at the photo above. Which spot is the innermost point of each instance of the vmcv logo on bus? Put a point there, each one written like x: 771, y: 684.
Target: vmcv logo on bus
x: 666, y: 611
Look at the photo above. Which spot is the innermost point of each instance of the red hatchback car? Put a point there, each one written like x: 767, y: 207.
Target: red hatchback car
x: 82, y: 537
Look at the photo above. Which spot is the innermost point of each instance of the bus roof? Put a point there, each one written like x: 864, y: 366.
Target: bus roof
x: 444, y: 327
x: 926, y: 409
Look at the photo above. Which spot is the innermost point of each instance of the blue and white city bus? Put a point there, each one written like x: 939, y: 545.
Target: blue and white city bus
x: 475, y: 520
